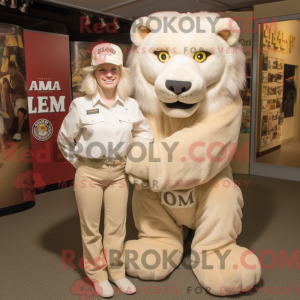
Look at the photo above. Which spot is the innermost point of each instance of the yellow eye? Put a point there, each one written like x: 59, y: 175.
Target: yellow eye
x: 201, y: 56
x: 163, y: 56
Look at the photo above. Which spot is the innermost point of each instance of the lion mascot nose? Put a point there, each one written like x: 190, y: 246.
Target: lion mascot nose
x: 178, y: 87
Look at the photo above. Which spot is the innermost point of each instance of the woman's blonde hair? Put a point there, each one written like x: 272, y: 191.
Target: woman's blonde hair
x: 90, y: 85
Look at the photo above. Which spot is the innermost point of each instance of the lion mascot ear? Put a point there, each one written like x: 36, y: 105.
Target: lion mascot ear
x: 228, y: 30
x: 140, y: 28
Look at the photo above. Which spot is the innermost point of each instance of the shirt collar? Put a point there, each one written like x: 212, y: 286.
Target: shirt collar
x: 97, y: 98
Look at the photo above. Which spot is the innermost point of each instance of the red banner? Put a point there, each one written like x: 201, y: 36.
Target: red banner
x: 49, y: 97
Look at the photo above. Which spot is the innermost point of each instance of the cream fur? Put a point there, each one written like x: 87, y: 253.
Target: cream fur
x: 215, y: 214
x: 222, y: 87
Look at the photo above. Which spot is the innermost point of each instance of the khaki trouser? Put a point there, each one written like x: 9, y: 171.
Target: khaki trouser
x: 95, y: 181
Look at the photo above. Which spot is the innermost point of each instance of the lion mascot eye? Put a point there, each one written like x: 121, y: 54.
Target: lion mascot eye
x: 201, y: 56
x: 163, y: 56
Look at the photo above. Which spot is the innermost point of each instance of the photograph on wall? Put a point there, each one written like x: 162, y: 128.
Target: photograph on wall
x: 279, y: 132
x: 265, y: 77
x: 280, y: 118
x: 271, y: 104
x: 265, y: 118
x: 280, y: 64
x: 279, y: 103
x: 270, y: 128
x: 264, y: 131
x: 265, y: 62
x: 274, y: 115
x: 279, y: 77
x: 269, y: 116
x: 272, y: 63
x: 292, y: 41
x: 274, y: 126
x: 272, y: 91
x: 274, y: 135
x: 264, y: 105
x: 272, y: 77
x: 265, y: 91
x: 274, y: 39
x: 279, y: 91
x: 263, y: 141
x: 14, y: 121
x: 269, y: 138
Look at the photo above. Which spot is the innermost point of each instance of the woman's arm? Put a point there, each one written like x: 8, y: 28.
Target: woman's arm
x: 67, y: 134
x: 190, y: 156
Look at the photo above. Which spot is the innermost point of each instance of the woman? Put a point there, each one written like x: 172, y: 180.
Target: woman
x: 103, y: 124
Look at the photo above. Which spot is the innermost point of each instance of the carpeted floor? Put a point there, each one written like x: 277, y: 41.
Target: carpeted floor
x: 32, y: 243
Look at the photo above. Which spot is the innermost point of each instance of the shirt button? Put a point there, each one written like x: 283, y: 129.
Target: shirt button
x: 93, y: 121
x: 112, y: 125
x: 128, y: 119
x: 113, y: 138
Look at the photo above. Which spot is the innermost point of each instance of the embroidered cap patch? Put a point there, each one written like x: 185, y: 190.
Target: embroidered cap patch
x: 92, y: 111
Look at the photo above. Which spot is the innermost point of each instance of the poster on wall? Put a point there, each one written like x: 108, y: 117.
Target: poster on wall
x: 271, y: 99
x: 49, y: 97
x: 16, y: 175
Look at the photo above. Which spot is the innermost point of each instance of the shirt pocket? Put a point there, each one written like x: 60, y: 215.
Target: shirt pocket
x: 126, y: 123
x: 127, y: 119
x: 91, y: 120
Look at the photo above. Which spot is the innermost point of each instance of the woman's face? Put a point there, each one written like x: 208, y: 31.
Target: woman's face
x: 107, y: 76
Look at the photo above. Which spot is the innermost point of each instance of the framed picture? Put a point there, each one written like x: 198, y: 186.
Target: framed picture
x: 269, y: 116
x: 269, y: 138
x: 270, y: 127
x: 264, y: 105
x: 279, y: 77
x: 272, y: 90
x: 265, y: 77
x: 279, y: 91
x: 263, y: 141
x: 271, y: 104
x: 265, y: 90
x: 272, y: 63
x: 280, y: 63
x: 265, y: 119
x: 280, y: 118
x: 274, y: 125
x: 279, y: 103
x: 270, y: 77
x: 279, y: 133
x: 264, y: 131
x: 265, y: 62
x: 274, y: 115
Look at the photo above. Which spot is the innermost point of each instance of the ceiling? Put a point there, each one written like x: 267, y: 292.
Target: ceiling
x: 132, y: 9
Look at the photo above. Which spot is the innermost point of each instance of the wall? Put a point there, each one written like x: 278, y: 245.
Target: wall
x: 291, y: 126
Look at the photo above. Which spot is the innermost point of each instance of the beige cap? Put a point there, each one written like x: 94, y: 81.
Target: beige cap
x: 107, y: 53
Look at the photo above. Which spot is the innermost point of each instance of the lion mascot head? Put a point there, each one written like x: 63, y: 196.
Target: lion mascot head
x: 185, y: 63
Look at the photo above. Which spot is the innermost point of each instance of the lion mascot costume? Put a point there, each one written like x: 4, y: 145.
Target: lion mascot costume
x: 187, y: 71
